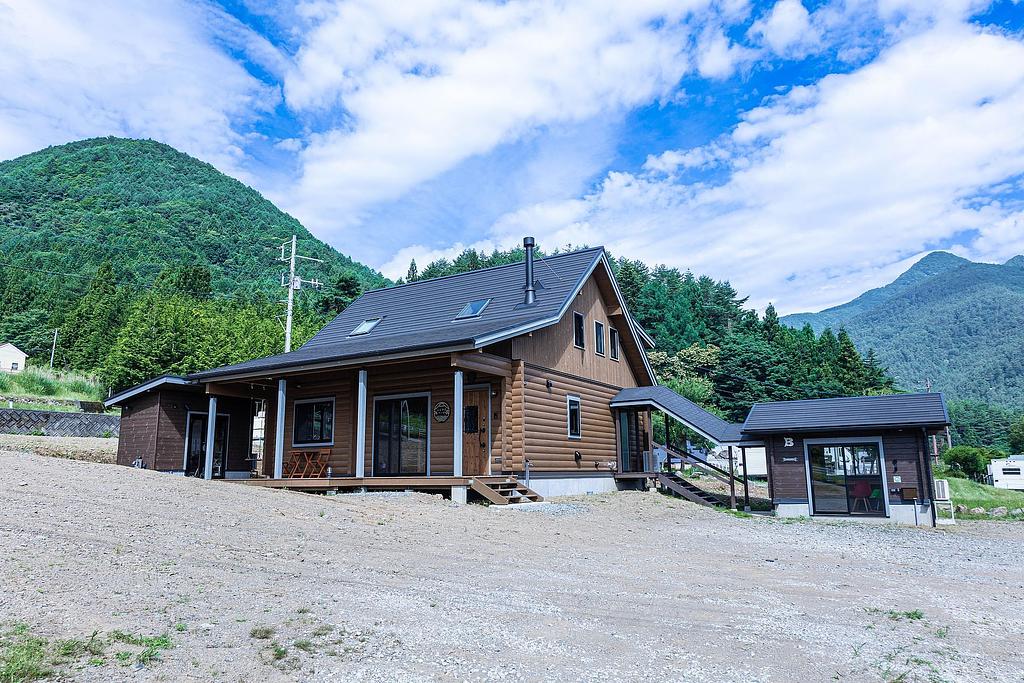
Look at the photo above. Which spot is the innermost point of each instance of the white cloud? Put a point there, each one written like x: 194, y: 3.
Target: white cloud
x: 834, y: 185
x: 427, y: 85
x: 719, y: 57
x: 787, y: 28
x: 72, y: 70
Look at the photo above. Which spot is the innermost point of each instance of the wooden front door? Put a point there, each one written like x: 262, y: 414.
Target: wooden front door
x: 476, y: 422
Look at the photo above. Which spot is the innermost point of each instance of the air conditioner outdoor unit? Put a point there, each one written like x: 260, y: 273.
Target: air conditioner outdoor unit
x: 941, y: 490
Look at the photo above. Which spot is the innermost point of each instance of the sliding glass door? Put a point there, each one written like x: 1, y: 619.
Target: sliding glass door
x: 846, y: 479
x: 400, y: 436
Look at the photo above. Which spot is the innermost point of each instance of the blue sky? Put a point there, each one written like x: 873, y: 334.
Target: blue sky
x: 806, y: 151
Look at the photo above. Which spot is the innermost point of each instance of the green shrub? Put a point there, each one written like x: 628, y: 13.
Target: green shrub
x: 969, y: 461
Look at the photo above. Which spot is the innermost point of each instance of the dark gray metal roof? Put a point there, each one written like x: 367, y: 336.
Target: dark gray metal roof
x: 147, y: 385
x: 896, y: 410
x: 684, y: 410
x: 421, y: 315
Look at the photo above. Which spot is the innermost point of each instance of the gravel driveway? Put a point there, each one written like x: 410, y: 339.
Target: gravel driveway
x: 252, y: 585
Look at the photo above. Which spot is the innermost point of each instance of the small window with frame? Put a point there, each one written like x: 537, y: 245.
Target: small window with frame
x: 313, y: 422
x: 574, y: 417
x: 599, y: 337
x: 579, y: 330
x: 613, y: 342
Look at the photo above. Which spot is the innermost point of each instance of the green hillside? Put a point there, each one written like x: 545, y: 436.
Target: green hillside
x: 150, y: 261
x: 142, y: 205
x: 956, y: 323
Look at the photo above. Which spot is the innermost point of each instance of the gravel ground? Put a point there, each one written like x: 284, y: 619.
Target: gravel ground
x: 405, y: 587
x: 73, y: 447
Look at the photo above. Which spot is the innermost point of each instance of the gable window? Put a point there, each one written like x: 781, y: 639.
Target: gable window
x: 613, y: 342
x: 574, y: 417
x: 578, y: 333
x: 599, y: 338
x: 14, y: 366
x: 473, y: 309
x: 365, y: 327
x: 313, y: 423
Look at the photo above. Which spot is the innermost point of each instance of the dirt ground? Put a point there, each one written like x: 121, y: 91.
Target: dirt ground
x: 254, y: 585
x: 73, y: 447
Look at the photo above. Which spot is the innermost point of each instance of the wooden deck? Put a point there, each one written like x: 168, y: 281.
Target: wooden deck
x: 399, y: 483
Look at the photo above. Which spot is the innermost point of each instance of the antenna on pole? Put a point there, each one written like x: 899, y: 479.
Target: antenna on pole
x: 293, y: 283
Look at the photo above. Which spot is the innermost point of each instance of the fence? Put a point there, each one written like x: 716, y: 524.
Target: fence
x: 55, y: 423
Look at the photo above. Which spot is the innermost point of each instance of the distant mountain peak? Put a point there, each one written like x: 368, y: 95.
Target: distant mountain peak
x: 1016, y: 262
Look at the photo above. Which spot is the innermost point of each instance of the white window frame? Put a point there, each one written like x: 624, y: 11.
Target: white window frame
x: 568, y: 416
x: 599, y: 342
x: 613, y: 350
x: 582, y: 317
x: 334, y: 415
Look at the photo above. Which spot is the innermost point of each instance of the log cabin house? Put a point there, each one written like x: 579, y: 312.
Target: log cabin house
x: 513, y: 383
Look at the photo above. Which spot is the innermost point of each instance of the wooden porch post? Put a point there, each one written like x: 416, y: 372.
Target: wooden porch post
x: 361, y: 426
x: 732, y: 481
x: 746, y: 481
x: 282, y: 389
x: 211, y: 431
x: 457, y: 426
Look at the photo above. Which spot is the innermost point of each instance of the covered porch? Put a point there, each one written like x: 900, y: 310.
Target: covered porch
x: 436, y: 423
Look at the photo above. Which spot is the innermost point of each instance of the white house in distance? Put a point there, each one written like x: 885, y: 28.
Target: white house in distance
x: 12, y: 359
x: 1007, y: 473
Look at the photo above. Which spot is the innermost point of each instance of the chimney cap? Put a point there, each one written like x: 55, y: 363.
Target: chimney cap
x: 528, y: 242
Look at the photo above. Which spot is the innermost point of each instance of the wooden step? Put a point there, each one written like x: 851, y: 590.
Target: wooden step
x: 504, y: 492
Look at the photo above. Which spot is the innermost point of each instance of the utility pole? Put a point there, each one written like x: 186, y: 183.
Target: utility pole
x: 53, y: 349
x: 293, y: 282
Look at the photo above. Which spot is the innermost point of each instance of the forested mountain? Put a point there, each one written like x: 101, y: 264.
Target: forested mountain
x: 713, y: 349
x: 956, y: 323
x: 149, y: 261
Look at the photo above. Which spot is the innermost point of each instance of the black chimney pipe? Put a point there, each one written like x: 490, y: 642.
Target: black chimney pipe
x: 531, y: 292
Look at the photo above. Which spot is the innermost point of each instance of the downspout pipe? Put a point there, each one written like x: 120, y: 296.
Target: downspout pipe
x: 928, y: 473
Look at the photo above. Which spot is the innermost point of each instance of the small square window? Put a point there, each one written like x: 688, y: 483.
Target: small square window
x: 365, y: 327
x: 574, y: 417
x: 599, y: 338
x: 14, y: 366
x: 473, y: 309
x: 578, y: 333
x: 613, y: 341
x: 313, y: 422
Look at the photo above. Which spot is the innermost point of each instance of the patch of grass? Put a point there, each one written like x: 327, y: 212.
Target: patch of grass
x: 304, y: 610
x: 736, y: 513
x: 278, y: 652
x: 322, y: 631
x: 305, y: 645
x: 124, y: 657
x: 23, y: 656
x: 912, y: 615
x: 34, y: 382
x: 261, y: 632
x: 180, y: 627
x: 972, y: 494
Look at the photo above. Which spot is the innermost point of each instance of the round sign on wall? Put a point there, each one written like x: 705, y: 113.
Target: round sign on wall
x: 442, y: 411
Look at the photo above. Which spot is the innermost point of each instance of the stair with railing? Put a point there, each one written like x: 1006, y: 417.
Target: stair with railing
x: 677, y: 486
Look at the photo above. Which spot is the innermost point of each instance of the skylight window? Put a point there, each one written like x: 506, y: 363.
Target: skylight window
x: 473, y: 309
x: 365, y: 327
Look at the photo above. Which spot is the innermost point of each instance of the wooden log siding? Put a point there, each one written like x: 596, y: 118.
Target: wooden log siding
x: 339, y: 385
x: 546, y: 440
x: 434, y: 376
x: 552, y: 347
x: 518, y: 402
